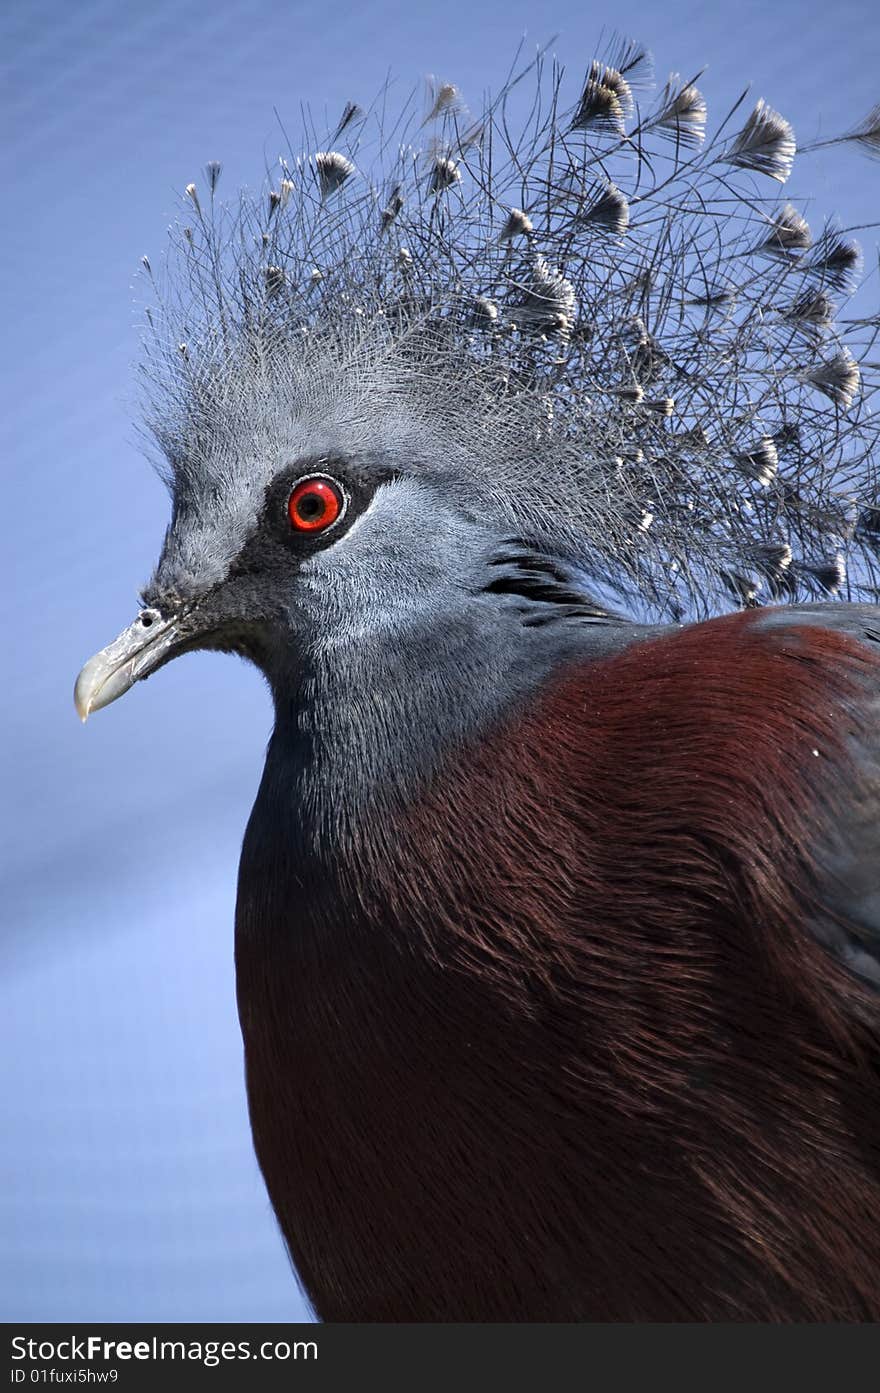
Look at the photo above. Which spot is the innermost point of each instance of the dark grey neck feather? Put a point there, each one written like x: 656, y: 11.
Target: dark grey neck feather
x: 362, y: 725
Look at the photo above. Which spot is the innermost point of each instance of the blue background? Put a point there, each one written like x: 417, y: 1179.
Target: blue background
x: 127, y: 1181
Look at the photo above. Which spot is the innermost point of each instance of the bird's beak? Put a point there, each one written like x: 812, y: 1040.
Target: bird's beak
x: 137, y: 652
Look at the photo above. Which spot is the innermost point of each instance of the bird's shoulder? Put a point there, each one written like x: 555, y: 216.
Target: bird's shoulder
x: 829, y: 654
x: 759, y: 729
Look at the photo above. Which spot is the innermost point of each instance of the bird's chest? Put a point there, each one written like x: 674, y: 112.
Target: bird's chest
x: 362, y: 1109
x: 427, y: 1080
x: 395, y: 1102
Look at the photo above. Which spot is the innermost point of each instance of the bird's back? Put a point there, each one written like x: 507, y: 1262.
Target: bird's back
x: 588, y: 1030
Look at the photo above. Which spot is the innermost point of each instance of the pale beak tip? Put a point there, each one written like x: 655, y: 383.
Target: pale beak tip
x: 89, y: 685
x: 81, y: 702
x: 132, y: 655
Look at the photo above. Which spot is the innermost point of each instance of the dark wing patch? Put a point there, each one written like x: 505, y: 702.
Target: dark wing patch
x: 552, y: 588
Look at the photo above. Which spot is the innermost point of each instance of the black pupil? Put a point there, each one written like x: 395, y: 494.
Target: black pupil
x: 311, y: 506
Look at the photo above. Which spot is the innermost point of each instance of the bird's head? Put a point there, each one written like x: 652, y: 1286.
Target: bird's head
x: 369, y: 384
x: 306, y: 521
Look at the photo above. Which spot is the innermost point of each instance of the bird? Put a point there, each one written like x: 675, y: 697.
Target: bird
x: 531, y: 457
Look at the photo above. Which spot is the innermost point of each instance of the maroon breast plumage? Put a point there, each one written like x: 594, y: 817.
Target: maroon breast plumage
x: 563, y: 1041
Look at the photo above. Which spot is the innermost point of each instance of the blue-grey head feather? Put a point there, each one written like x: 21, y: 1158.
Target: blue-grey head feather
x: 585, y: 366
x: 643, y: 374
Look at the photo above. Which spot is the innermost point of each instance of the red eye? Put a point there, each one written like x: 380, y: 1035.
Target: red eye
x: 315, y: 504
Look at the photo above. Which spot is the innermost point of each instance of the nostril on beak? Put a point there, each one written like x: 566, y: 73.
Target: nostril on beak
x: 132, y: 655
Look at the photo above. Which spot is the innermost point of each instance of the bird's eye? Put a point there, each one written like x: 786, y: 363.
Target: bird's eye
x: 315, y: 504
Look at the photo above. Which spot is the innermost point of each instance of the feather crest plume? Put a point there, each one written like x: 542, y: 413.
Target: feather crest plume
x: 578, y: 308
